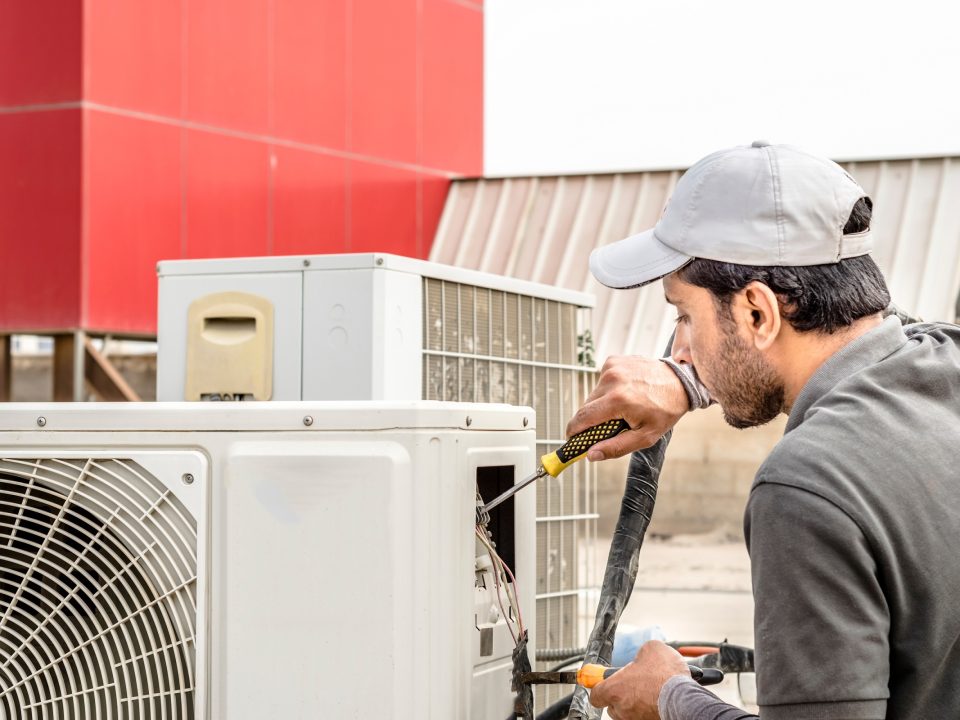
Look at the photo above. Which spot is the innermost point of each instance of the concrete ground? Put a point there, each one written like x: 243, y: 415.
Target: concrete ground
x: 695, y: 587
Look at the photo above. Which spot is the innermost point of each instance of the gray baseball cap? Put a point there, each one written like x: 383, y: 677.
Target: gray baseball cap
x: 758, y: 205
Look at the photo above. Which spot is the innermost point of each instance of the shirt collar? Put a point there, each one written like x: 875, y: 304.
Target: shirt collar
x: 866, y: 350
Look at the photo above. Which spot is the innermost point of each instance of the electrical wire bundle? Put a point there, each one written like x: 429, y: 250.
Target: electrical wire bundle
x: 502, y: 571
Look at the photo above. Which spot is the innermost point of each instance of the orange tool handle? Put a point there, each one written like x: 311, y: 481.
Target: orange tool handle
x: 590, y: 675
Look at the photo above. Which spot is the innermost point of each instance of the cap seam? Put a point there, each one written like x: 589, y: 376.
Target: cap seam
x: 778, y: 208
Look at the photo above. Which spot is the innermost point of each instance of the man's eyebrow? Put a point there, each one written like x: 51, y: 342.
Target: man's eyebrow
x: 670, y: 299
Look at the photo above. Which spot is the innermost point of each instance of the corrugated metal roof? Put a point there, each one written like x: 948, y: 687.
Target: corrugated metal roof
x: 543, y: 229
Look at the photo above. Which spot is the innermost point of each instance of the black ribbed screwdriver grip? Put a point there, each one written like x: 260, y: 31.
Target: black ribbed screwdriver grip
x: 583, y: 441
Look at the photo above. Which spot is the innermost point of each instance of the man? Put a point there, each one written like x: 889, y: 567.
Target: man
x: 852, y: 519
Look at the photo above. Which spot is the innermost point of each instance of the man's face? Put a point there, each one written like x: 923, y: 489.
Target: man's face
x: 747, y: 386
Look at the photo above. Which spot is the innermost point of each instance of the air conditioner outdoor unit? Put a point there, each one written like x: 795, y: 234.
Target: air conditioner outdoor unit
x: 259, y: 560
x: 382, y: 327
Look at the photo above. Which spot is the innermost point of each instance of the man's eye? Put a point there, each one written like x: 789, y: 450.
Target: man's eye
x: 679, y: 319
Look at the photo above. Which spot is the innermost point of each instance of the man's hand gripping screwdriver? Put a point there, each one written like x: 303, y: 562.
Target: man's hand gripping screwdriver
x: 568, y: 453
x: 590, y: 675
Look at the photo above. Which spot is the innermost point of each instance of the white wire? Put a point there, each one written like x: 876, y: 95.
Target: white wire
x: 496, y: 582
x: 500, y: 569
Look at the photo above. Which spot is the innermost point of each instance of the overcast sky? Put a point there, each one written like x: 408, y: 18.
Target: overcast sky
x: 602, y: 85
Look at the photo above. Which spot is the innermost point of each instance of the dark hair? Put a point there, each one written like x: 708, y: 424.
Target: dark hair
x: 822, y: 298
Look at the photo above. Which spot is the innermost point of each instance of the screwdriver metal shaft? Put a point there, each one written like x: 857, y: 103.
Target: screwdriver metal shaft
x: 567, y: 454
x: 514, y: 489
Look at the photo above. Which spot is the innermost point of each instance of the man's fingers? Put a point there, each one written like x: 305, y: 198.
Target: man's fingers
x: 600, y: 695
x: 593, y: 413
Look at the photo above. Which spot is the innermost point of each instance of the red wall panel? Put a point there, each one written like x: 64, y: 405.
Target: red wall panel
x: 221, y: 128
x: 40, y: 217
x: 40, y: 51
x: 227, y: 196
x: 132, y: 55
x: 133, y: 218
x: 309, y: 202
x: 382, y: 67
x: 383, y: 209
x: 310, y: 77
x: 228, y: 63
x: 452, y: 79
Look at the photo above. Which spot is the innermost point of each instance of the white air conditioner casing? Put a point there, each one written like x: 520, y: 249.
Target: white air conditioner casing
x: 254, y: 560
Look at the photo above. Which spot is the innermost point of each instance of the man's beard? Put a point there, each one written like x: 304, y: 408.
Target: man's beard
x: 747, y: 387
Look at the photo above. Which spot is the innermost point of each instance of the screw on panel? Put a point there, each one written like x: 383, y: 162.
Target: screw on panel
x: 306, y: 263
x: 308, y: 420
x: 469, y: 421
x: 379, y: 261
x: 187, y: 478
x: 41, y: 421
x: 526, y: 421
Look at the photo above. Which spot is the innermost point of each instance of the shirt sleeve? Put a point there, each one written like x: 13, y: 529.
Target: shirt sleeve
x: 821, y: 623
x: 697, y: 394
x: 683, y: 699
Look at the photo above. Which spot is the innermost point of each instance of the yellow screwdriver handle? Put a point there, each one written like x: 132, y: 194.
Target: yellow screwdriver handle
x: 577, y: 446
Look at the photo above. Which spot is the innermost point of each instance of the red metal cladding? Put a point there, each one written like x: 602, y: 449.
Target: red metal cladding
x: 228, y: 63
x: 309, y: 202
x: 383, y: 209
x: 310, y: 77
x: 40, y: 219
x: 133, y: 54
x: 452, y: 87
x: 40, y: 52
x: 221, y: 128
x: 227, y: 196
x: 133, y: 218
x: 383, y: 80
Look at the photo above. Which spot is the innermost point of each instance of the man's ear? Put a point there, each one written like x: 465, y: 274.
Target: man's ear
x: 758, y: 313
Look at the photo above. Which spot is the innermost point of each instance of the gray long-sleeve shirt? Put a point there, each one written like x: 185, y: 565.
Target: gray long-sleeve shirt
x: 851, y: 525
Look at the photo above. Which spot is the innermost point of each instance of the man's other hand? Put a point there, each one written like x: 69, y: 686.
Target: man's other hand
x: 644, y: 392
x: 633, y: 692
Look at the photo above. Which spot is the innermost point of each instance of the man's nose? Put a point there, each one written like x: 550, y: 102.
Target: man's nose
x: 680, y: 351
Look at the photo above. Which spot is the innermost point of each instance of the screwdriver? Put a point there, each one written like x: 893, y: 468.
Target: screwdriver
x: 591, y: 675
x: 568, y: 453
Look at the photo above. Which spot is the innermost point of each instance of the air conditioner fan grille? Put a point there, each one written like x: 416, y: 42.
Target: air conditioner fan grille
x: 97, y: 592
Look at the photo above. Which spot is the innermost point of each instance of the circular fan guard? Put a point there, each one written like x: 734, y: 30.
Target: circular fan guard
x: 97, y: 592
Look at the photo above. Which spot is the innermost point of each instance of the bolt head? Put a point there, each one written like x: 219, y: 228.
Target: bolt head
x: 379, y: 261
x: 469, y: 421
x: 187, y: 478
x: 308, y: 420
x: 41, y: 421
x: 306, y: 263
x: 526, y: 421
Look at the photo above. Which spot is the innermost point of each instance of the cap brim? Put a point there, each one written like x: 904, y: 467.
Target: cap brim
x: 635, y: 261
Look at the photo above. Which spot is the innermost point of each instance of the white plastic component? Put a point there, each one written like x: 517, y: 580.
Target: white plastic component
x: 282, y: 291
x: 294, y: 560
